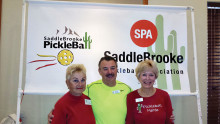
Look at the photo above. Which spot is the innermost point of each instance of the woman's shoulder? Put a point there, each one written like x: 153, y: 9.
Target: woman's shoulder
x: 62, y: 100
x: 161, y: 92
x: 85, y: 97
x: 133, y: 93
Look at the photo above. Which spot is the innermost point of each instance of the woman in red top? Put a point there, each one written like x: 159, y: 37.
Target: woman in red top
x: 148, y: 105
x: 74, y: 107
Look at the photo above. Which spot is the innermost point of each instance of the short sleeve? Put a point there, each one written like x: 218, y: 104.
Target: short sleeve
x: 169, y: 109
x: 59, y: 114
x: 130, y: 115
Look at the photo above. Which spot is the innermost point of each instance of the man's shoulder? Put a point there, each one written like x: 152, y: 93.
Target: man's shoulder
x: 95, y: 83
x: 99, y: 83
x: 123, y: 84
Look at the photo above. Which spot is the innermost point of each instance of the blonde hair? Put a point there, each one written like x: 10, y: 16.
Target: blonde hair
x: 75, y: 68
x: 145, y: 65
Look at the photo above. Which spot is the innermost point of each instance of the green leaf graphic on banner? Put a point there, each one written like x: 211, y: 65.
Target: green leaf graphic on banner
x: 176, y: 77
x: 87, y: 41
x: 160, y: 50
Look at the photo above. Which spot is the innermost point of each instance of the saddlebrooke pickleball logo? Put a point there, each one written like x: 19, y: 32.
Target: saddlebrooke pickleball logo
x: 143, y: 33
x: 66, y: 40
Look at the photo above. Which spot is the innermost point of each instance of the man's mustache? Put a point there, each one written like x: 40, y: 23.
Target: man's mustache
x: 110, y: 75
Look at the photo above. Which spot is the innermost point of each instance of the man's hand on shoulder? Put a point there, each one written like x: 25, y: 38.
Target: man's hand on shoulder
x: 50, y: 117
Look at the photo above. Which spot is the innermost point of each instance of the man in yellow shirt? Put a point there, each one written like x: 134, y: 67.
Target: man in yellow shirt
x: 108, y: 95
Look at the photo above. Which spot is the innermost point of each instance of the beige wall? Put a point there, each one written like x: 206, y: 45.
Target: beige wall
x: 35, y: 108
x: 9, y: 55
x: 213, y: 1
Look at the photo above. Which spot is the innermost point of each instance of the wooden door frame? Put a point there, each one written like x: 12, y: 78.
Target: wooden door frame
x: 0, y: 18
x: 145, y: 2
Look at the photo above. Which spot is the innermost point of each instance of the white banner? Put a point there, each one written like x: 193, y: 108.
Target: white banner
x: 63, y: 33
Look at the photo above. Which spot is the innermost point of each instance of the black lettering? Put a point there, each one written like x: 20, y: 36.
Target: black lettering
x: 139, y: 58
x: 45, y: 38
x: 129, y: 57
x: 60, y: 45
x: 55, y: 45
x: 180, y: 59
x: 128, y: 70
x: 81, y: 46
x: 146, y: 55
x: 106, y: 53
x: 165, y: 58
x: 172, y: 58
x: 75, y: 44
x: 121, y: 57
x: 69, y: 45
x: 159, y: 58
x: 46, y: 43
x: 115, y: 56
x: 153, y: 57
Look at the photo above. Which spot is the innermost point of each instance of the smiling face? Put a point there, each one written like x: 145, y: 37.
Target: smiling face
x: 108, y: 71
x: 147, y: 79
x: 77, y: 83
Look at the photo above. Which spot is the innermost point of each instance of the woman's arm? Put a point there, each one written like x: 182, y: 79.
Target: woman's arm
x: 60, y: 117
x: 169, y: 110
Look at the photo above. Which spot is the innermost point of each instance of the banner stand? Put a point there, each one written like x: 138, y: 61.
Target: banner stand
x: 20, y: 91
x: 21, y: 61
x: 196, y: 66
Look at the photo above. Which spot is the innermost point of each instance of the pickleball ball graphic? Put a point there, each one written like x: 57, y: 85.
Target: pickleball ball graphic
x: 64, y: 57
